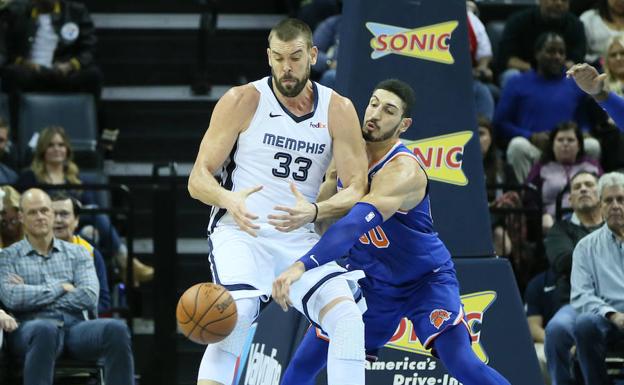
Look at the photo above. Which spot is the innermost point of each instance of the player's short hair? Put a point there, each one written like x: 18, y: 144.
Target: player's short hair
x: 401, y: 89
x: 290, y: 29
x: 63, y: 196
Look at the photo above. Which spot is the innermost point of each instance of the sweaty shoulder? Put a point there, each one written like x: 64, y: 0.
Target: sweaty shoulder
x: 407, y: 166
x: 339, y: 103
x: 244, y: 98
x: 342, y: 115
x: 238, y: 106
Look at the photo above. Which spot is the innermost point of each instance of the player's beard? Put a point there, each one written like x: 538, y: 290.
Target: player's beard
x: 369, y: 136
x: 293, y: 90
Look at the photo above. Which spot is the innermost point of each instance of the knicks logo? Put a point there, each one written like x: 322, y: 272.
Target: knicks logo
x: 475, y: 306
x: 438, y: 317
x: 441, y: 156
x: 431, y: 42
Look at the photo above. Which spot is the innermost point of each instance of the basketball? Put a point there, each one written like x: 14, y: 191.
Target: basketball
x: 206, y: 313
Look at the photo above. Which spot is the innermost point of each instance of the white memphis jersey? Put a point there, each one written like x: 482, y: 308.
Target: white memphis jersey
x: 277, y: 148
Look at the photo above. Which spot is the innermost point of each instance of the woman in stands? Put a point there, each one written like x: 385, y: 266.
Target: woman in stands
x: 53, y: 164
x: 563, y: 158
x: 602, y: 23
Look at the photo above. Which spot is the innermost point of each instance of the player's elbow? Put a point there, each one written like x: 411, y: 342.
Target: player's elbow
x: 192, y: 186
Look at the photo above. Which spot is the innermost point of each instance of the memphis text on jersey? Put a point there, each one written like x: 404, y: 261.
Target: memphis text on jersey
x: 293, y: 144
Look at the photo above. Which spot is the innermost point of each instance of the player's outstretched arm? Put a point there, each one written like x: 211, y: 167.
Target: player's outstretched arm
x: 401, y: 184
x: 231, y: 116
x: 350, y: 158
x: 588, y: 79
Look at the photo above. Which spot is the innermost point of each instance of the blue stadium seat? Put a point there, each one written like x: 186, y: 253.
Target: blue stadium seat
x: 74, y: 112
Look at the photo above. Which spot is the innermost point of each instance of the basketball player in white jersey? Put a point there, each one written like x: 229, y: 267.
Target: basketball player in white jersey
x: 267, y: 140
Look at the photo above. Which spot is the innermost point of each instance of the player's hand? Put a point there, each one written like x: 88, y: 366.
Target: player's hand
x: 281, y: 286
x: 587, y: 78
x: 7, y: 323
x: 237, y: 208
x: 302, y: 213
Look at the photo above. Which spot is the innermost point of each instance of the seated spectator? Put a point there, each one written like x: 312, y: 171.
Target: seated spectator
x: 11, y: 230
x: 540, y: 303
x: 481, y: 55
x: 602, y: 23
x: 326, y: 39
x: 598, y: 283
x: 50, y: 299
x: 66, y: 218
x: 559, y: 244
x: 614, y: 64
x: 563, y: 158
x: 8, y: 158
x: 522, y: 29
x: 51, y: 49
x: 313, y: 12
x: 533, y: 103
x: 497, y: 172
x: 53, y: 164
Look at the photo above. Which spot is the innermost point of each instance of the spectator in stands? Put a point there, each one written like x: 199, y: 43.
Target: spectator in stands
x: 497, y: 172
x: 313, y: 12
x: 541, y: 304
x: 66, y: 218
x: 11, y: 230
x: 614, y: 64
x: 50, y: 301
x: 52, y: 164
x: 52, y: 49
x: 326, y: 39
x: 598, y: 283
x: 7, y: 159
x: 481, y: 55
x: 602, y: 23
x: 563, y: 158
x: 523, y: 28
x: 533, y: 103
x: 5, y: 20
x: 559, y: 244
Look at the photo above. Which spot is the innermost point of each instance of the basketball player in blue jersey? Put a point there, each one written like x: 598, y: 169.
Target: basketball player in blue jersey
x: 389, y: 234
x: 266, y: 139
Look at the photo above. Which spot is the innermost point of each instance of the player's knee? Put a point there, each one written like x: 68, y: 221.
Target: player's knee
x: 344, y: 324
x: 247, y: 309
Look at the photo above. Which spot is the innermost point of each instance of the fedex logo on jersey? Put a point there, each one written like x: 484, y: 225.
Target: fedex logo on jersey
x: 441, y: 156
x: 431, y: 42
x: 318, y: 125
x: 475, y: 306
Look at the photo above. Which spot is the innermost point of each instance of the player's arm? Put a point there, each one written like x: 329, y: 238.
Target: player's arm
x: 328, y: 189
x: 401, y: 184
x: 230, y: 117
x: 349, y: 158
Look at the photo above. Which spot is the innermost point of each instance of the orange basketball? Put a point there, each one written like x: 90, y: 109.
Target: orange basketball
x: 206, y: 313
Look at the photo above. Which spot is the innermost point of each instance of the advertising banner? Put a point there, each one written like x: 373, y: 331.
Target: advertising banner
x: 425, y: 44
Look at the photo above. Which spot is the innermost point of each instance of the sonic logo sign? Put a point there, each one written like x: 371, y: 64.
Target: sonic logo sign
x: 475, y: 305
x: 431, y: 42
x: 441, y: 156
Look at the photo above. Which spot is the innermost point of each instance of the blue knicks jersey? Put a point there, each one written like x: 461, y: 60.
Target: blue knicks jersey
x: 405, y: 247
